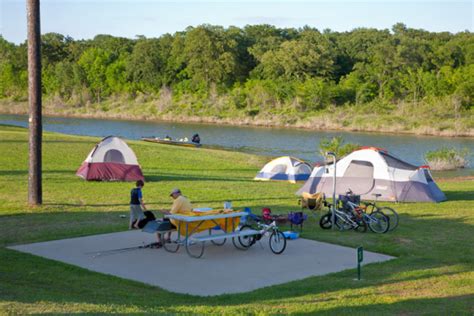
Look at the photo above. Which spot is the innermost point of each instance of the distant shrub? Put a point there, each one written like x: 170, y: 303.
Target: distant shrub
x: 447, y: 158
x: 337, y: 146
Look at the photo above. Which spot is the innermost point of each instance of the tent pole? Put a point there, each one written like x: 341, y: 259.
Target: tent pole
x: 333, y: 215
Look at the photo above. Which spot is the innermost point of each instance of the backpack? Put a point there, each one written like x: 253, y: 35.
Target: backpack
x: 149, y: 216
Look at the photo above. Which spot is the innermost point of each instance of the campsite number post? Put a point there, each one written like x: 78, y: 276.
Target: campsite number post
x: 360, y: 258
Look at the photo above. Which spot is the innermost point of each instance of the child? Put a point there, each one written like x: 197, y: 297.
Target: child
x: 136, y: 205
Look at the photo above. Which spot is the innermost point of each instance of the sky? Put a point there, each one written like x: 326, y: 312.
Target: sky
x: 83, y: 19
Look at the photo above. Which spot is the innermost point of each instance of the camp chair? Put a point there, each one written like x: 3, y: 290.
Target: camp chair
x: 297, y: 219
x: 312, y: 202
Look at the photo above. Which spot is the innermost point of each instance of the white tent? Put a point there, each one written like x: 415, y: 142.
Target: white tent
x: 370, y: 171
x: 111, y: 159
x: 285, y: 169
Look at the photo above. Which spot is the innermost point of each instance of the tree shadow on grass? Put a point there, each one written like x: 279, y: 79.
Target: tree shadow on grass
x: 460, y: 305
x: 169, y: 201
x: 460, y: 195
x: 11, y: 141
x: 181, y: 177
x: 25, y: 172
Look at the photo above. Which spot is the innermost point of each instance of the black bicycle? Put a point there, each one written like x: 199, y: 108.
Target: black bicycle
x: 371, y: 207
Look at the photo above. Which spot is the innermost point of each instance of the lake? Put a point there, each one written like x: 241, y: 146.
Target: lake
x: 256, y: 140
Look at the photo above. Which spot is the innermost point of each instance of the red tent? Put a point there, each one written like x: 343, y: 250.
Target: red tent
x: 111, y: 160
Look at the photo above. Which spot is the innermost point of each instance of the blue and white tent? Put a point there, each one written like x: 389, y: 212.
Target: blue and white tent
x: 285, y: 169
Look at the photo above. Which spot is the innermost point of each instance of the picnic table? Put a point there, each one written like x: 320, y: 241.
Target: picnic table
x: 218, y: 233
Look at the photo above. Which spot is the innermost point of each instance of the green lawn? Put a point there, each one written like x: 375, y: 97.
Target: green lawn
x: 434, y: 243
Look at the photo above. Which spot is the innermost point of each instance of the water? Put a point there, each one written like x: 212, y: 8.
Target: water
x: 263, y: 141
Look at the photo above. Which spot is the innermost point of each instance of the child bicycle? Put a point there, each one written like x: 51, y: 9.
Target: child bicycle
x: 277, y: 240
x: 343, y: 220
x: 352, y: 215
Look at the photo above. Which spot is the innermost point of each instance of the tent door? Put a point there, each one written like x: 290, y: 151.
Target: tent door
x: 359, y: 177
x: 113, y: 155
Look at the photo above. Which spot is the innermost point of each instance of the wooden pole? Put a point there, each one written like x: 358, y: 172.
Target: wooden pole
x: 35, y: 194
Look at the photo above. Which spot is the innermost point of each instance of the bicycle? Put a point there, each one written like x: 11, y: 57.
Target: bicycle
x: 353, y: 216
x: 376, y: 221
x: 343, y: 220
x: 277, y: 240
x: 387, y: 211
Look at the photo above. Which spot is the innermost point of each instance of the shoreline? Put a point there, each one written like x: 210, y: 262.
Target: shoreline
x: 246, y: 122
x: 440, y: 175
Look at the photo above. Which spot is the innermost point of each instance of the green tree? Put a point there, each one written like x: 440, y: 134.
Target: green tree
x: 307, y: 56
x: 210, y: 55
x: 94, y: 62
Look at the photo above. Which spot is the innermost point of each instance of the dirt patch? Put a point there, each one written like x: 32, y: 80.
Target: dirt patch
x: 403, y: 241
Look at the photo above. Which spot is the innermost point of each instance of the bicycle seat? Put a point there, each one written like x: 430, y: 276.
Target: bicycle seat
x: 377, y: 194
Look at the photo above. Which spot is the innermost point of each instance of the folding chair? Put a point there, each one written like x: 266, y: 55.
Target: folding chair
x: 312, y: 202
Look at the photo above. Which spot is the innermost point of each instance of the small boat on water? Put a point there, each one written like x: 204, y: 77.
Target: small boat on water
x: 167, y: 141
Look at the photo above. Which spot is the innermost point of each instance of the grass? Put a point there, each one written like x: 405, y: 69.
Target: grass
x: 433, y: 273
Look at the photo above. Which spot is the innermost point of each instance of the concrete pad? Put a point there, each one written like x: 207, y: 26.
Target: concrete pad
x: 222, y: 269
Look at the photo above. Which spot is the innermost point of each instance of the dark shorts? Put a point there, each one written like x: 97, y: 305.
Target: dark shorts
x: 165, y: 225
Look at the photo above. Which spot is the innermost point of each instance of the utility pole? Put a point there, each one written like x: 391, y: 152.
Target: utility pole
x: 35, y: 194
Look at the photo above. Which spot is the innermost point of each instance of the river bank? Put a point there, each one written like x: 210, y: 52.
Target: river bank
x: 338, y: 119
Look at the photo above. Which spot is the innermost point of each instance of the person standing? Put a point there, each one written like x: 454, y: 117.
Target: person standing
x: 137, y: 206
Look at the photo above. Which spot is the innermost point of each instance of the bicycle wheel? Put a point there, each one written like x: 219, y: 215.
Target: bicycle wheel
x: 195, y: 248
x: 392, y: 216
x: 171, y: 245
x: 277, y: 242
x: 378, y: 222
x: 246, y: 241
x: 361, y: 226
x: 325, y: 221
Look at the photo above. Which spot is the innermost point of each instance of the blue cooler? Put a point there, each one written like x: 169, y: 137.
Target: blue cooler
x: 291, y: 235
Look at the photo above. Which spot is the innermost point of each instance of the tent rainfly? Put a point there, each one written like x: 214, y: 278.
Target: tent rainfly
x: 285, y: 169
x: 370, y: 171
x: 111, y: 160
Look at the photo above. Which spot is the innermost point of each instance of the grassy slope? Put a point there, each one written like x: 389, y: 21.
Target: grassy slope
x: 433, y: 274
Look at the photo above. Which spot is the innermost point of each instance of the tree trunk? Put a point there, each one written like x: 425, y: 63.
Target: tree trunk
x: 34, y: 98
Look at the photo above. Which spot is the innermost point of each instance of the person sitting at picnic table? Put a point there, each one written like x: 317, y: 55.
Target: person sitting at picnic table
x: 137, y: 206
x: 180, y: 203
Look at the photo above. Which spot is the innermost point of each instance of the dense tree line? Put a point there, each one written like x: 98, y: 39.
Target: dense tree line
x: 256, y: 68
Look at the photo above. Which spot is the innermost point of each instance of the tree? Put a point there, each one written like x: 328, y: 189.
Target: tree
x: 54, y: 47
x: 146, y: 65
x: 35, y: 192
x: 210, y: 55
x: 94, y: 62
x: 308, y: 56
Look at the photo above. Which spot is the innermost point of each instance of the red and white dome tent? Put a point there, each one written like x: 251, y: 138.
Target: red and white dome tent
x: 372, y: 170
x: 111, y: 160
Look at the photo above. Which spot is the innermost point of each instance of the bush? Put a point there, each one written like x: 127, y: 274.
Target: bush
x: 337, y: 146
x: 447, y: 158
